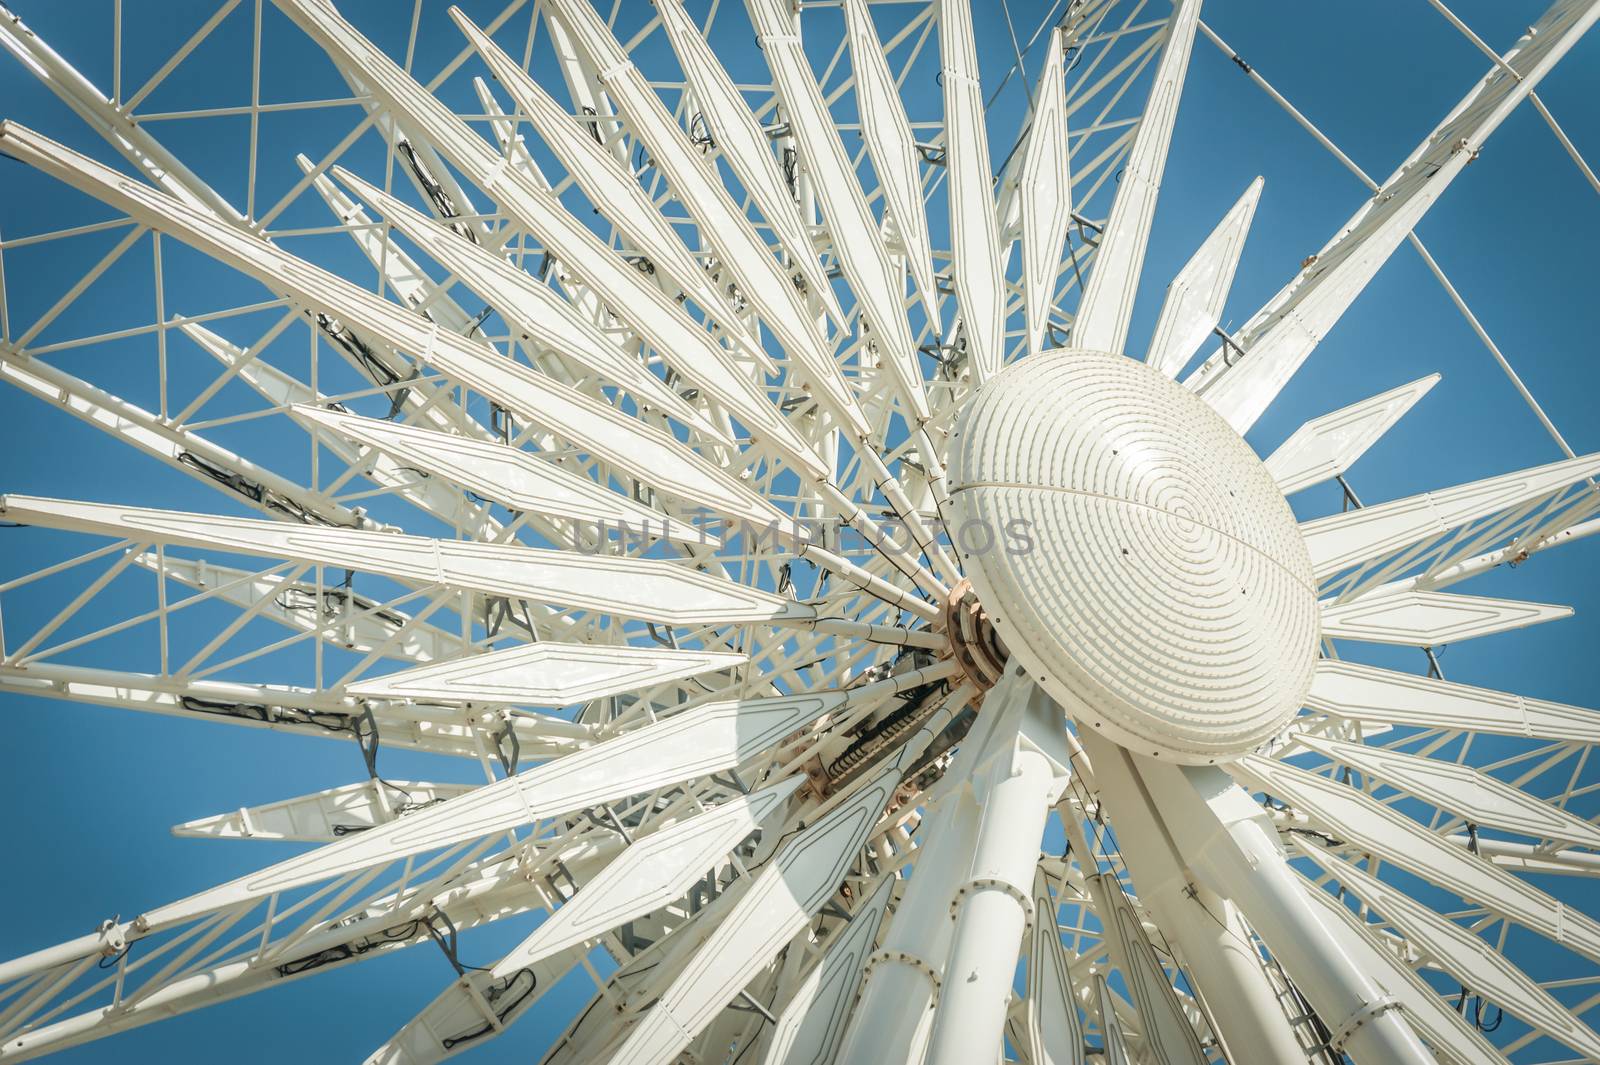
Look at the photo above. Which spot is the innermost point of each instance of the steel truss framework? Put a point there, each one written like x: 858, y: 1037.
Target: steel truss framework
x: 626, y: 399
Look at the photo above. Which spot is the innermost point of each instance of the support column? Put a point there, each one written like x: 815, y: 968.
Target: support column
x: 1204, y: 928
x: 1224, y: 837
x: 1021, y: 775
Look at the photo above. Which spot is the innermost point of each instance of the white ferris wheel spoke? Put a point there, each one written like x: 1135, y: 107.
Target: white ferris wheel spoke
x: 811, y: 1025
x: 1106, y: 308
x: 744, y: 144
x: 857, y: 242
x: 1195, y: 297
x: 1461, y: 953
x: 1328, y: 446
x: 540, y: 314
x: 1344, y: 540
x: 1473, y: 796
x: 788, y: 778
x: 974, y: 233
x: 507, y: 475
x: 1428, y: 619
x: 721, y: 224
x: 1279, y: 338
x: 545, y: 674
x: 647, y: 589
x: 1385, y: 697
x: 1044, y: 192
x: 892, y: 146
x: 1055, y: 1034
x: 323, y: 816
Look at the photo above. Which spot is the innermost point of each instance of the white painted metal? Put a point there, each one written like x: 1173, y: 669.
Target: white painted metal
x: 722, y: 225
x: 1197, y: 295
x: 649, y: 874
x: 1465, y: 791
x: 774, y: 908
x: 744, y: 145
x: 1212, y: 941
x: 545, y: 674
x: 811, y: 1026
x: 1237, y: 857
x: 857, y: 243
x: 1466, y: 956
x: 1381, y: 696
x: 1022, y: 771
x: 1055, y: 1034
x: 1166, y: 599
x: 508, y: 475
x: 1424, y: 619
x: 1393, y: 836
x: 892, y: 147
x: 974, y: 233
x: 1328, y: 446
x: 323, y: 816
x: 1167, y: 1034
x: 1448, y: 1035
x: 1344, y: 540
x: 747, y: 748
x: 648, y: 589
x: 1279, y: 338
x: 1044, y: 192
x: 1106, y: 308
x: 541, y: 315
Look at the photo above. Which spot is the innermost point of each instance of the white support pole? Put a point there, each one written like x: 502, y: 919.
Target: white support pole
x: 1206, y: 929
x: 1219, y: 831
x: 1023, y: 772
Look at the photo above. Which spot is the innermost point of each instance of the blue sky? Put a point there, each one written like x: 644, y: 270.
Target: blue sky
x: 93, y: 792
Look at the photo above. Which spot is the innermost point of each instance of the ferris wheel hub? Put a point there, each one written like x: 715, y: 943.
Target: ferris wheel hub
x: 1134, y: 554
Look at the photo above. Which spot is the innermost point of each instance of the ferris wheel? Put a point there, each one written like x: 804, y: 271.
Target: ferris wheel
x: 870, y: 647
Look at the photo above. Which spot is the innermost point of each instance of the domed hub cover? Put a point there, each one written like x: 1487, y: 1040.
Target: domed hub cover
x: 1134, y: 554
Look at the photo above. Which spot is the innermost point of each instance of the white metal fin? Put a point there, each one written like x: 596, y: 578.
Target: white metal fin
x: 588, y: 422
x: 1326, y: 447
x: 1106, y: 307
x: 1167, y: 1034
x: 775, y: 907
x: 1055, y: 1034
x: 1279, y: 338
x: 536, y: 309
x: 1446, y: 1032
x: 648, y: 589
x: 664, y: 326
x: 1197, y: 295
x: 519, y: 479
x: 1459, y: 952
x: 409, y: 281
x: 1382, y: 696
x: 545, y: 674
x: 1475, y: 796
x: 602, y: 178
x: 720, y: 221
x: 974, y: 234
x: 1343, y: 540
x: 1044, y: 192
x: 707, y: 739
x: 1427, y: 619
x: 744, y: 144
x: 323, y: 816
x: 875, y: 280
x: 650, y: 874
x: 812, y: 1024
x: 892, y: 147
x: 1362, y: 821
x: 1116, y: 1047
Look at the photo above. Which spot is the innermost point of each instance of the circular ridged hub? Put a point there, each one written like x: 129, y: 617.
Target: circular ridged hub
x: 1134, y: 554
